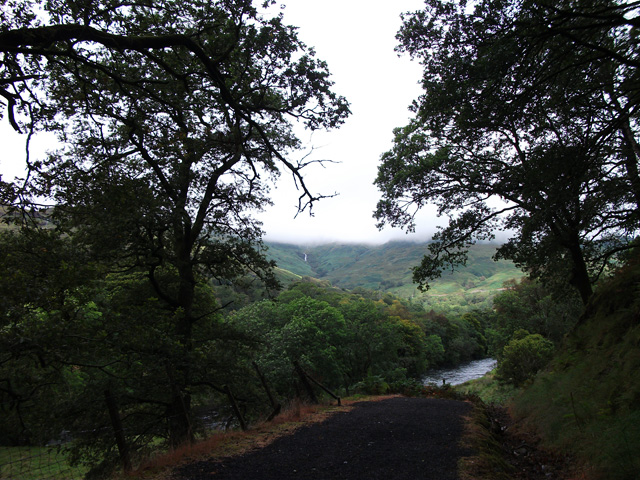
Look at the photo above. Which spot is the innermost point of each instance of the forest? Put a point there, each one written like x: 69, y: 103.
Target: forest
x: 139, y: 307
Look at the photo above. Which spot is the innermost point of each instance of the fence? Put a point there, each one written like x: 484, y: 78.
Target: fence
x: 37, y: 463
x: 128, y: 439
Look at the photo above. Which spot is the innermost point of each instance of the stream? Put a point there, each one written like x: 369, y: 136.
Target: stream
x: 461, y: 373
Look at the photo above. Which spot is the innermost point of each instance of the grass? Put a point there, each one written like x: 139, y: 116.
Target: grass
x: 488, y: 389
x: 37, y: 463
x: 389, y: 267
x: 487, y: 461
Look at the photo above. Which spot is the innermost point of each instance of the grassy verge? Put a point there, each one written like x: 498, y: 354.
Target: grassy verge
x: 488, y: 389
x: 588, y: 400
x: 488, y: 461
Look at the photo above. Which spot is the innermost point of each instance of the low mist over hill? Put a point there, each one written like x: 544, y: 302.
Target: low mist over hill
x: 388, y: 267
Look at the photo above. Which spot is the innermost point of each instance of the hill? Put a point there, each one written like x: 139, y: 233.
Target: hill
x: 389, y: 267
x: 588, y: 400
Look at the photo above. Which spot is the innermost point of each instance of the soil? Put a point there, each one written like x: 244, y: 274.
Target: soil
x: 397, y: 438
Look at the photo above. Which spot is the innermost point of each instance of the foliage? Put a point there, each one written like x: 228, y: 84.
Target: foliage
x: 185, y: 112
x: 82, y: 336
x: 353, y: 341
x: 372, y: 385
x: 338, y: 343
x: 529, y: 305
x: 524, y: 356
x: 489, y: 389
x: 586, y: 401
x: 533, y: 104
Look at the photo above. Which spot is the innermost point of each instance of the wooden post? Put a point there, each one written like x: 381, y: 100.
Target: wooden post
x: 320, y: 385
x: 323, y: 387
x: 305, y: 382
x: 234, y: 405
x: 263, y: 380
x: 116, y: 422
x: 275, y: 405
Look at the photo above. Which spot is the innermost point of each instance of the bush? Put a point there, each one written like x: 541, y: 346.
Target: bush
x: 523, y: 357
x: 372, y: 385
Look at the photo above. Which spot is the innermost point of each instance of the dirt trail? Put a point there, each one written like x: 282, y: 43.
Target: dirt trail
x: 398, y: 438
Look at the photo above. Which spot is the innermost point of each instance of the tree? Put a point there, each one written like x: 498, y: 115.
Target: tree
x: 528, y: 305
x: 68, y: 333
x: 527, y: 103
x: 524, y: 356
x: 183, y: 111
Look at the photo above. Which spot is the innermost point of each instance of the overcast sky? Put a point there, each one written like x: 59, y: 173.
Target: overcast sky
x: 357, y: 39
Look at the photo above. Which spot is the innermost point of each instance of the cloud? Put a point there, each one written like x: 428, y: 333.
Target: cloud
x: 357, y: 41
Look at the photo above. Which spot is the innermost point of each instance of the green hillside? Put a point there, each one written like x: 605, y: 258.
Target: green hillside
x: 588, y: 400
x: 388, y: 267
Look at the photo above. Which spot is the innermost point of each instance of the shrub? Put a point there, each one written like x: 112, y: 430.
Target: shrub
x: 523, y: 357
x: 372, y: 385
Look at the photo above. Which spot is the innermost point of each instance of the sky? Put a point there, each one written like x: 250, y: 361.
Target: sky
x: 357, y: 39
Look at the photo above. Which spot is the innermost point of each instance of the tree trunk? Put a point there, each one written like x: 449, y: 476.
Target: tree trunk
x: 580, y: 278
x: 178, y: 413
x: 118, y: 431
x: 631, y: 151
x: 180, y: 430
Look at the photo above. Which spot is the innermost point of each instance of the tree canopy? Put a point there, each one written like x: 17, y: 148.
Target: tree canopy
x: 174, y: 119
x: 528, y: 123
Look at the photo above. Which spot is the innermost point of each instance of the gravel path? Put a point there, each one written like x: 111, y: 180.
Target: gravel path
x: 398, y: 438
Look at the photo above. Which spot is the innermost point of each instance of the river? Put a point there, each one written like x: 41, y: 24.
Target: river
x: 461, y: 373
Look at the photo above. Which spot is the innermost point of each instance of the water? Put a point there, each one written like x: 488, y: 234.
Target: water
x: 462, y: 373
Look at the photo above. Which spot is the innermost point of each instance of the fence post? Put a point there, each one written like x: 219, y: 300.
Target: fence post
x: 305, y: 382
x: 234, y: 405
x: 275, y: 405
x: 116, y: 422
x: 323, y: 387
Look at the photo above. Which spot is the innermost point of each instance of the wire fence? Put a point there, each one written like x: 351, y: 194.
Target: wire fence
x: 37, y: 463
x: 121, y: 432
x: 116, y: 438
x: 125, y: 440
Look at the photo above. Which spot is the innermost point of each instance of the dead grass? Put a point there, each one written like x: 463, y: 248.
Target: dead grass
x: 228, y: 444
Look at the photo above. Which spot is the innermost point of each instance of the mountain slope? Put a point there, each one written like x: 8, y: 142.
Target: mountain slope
x: 389, y: 267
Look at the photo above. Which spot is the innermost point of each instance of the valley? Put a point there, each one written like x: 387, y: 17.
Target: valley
x: 389, y: 267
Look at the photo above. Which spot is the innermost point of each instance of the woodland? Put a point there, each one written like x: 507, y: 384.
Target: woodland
x: 139, y: 306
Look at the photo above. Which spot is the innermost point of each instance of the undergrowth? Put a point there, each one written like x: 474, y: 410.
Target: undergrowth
x: 489, y: 389
x: 487, y: 461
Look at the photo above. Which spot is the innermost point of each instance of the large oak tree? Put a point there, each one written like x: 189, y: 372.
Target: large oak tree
x: 174, y: 120
x: 534, y: 104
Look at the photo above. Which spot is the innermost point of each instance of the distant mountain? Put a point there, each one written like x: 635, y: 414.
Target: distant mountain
x: 389, y: 267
